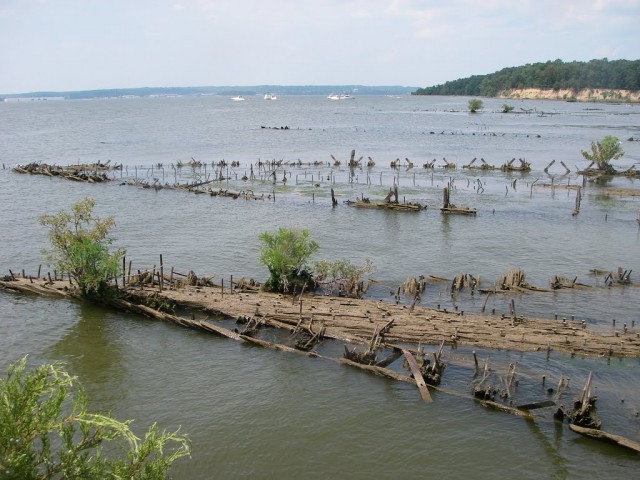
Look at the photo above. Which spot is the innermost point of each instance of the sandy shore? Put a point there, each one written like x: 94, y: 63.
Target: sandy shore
x: 585, y: 95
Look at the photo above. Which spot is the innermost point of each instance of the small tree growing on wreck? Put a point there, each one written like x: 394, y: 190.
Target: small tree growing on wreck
x: 286, y: 253
x: 602, y: 152
x: 475, y: 104
x: 80, y: 246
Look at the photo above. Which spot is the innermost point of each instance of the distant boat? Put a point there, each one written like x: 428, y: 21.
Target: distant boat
x: 238, y: 98
x: 342, y: 96
x: 270, y: 96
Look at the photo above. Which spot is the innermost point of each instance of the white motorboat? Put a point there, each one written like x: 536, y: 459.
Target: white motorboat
x: 342, y: 96
x: 270, y: 96
x: 238, y: 98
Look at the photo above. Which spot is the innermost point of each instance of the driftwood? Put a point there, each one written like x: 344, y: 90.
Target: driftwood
x: 607, y: 437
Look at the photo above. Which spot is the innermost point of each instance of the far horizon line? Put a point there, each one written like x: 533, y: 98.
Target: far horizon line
x: 209, y: 88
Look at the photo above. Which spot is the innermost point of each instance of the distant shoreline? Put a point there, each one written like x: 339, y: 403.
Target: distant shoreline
x: 229, y: 90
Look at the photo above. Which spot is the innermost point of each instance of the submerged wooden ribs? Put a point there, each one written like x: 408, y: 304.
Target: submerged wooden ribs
x: 424, y: 374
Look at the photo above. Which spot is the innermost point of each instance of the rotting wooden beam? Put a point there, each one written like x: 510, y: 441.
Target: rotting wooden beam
x: 417, y: 375
x: 608, y: 437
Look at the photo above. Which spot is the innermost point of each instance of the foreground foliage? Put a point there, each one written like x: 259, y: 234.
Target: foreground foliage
x: 286, y: 253
x: 603, y: 152
x: 80, y: 246
x: 46, y: 432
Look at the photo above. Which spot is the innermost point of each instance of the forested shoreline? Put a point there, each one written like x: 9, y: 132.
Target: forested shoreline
x: 554, y: 75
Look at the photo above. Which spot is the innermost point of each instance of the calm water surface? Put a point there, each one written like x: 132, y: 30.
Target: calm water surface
x: 266, y: 414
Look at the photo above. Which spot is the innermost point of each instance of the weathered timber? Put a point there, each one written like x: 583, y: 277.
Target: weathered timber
x: 352, y: 321
x: 399, y: 207
x: 607, y: 437
x: 93, y: 173
x: 417, y: 375
x: 448, y: 207
x: 536, y: 405
x: 524, y: 166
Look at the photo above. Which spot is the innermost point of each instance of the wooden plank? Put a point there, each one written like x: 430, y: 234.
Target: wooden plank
x: 534, y: 405
x: 417, y: 375
x: 608, y: 437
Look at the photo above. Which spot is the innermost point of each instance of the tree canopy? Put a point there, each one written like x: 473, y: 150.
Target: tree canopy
x: 615, y: 74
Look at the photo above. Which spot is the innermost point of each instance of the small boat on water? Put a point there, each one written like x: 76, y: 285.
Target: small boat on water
x: 341, y: 96
x: 270, y: 96
x: 238, y: 98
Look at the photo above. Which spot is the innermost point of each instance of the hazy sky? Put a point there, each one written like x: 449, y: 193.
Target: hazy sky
x: 60, y: 45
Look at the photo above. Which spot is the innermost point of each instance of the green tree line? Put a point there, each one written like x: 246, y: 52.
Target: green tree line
x: 615, y: 74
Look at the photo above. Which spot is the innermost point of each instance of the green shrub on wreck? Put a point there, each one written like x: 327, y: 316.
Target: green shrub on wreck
x: 286, y: 253
x: 80, y: 244
x: 475, y: 104
x: 602, y: 152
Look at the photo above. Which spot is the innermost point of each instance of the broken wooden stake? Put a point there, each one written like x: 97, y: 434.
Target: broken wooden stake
x: 417, y: 375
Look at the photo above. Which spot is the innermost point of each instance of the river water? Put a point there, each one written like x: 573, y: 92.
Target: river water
x: 267, y: 414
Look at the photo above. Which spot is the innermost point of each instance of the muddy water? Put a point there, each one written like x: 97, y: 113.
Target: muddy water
x: 267, y: 414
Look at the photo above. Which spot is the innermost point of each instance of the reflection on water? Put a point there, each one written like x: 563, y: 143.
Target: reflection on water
x: 91, y: 349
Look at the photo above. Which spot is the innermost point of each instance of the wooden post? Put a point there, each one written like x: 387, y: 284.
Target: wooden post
x: 475, y: 361
x: 231, y: 286
x: 161, y: 273
x: 39, y: 267
x: 124, y: 270
x: 171, y: 279
x: 222, y: 288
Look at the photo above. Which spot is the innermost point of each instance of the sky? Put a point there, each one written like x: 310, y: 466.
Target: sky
x: 68, y: 45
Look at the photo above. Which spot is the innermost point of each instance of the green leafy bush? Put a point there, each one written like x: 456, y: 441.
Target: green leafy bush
x: 80, y: 246
x: 46, y: 433
x: 475, y: 104
x: 286, y: 253
x: 602, y: 152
